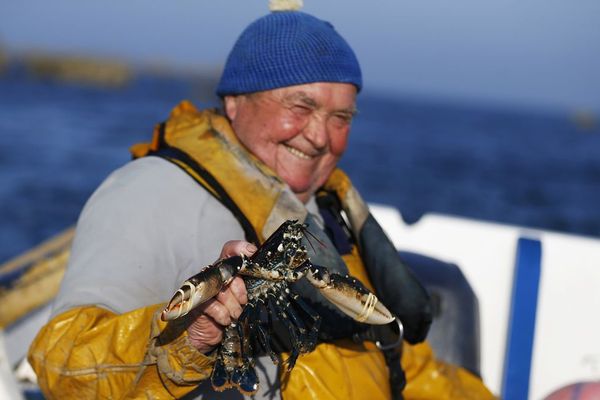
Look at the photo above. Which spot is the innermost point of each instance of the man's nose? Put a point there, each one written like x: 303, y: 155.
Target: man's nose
x: 316, y: 132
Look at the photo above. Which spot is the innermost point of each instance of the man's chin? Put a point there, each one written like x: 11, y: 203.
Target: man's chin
x: 302, y: 192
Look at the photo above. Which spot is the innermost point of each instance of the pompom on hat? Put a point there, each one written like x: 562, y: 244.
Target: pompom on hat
x: 285, y: 48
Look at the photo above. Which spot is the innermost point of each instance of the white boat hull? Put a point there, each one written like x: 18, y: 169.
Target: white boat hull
x: 565, y: 340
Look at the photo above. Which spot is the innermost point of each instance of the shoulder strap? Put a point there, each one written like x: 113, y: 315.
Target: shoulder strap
x: 206, y: 180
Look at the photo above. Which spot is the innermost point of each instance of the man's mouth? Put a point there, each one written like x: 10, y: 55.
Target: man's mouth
x: 298, y: 153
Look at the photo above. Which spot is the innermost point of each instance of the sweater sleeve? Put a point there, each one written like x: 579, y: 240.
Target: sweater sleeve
x: 146, y: 229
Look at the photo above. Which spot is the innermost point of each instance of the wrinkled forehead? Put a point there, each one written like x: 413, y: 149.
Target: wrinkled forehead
x: 329, y: 95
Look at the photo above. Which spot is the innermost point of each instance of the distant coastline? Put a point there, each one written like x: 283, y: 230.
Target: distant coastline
x: 94, y: 71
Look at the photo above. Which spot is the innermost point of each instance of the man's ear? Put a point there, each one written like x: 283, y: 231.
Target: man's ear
x: 231, y: 104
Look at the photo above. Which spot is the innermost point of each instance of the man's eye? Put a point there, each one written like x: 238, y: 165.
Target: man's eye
x: 343, y: 118
x: 301, y: 109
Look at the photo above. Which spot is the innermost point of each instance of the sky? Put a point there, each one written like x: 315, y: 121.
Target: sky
x: 533, y: 53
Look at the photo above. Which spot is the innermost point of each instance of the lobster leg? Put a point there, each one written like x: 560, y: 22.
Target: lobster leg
x: 306, y: 334
x: 264, y: 340
x: 276, y: 309
x: 311, y: 340
x: 350, y: 296
x: 251, y: 314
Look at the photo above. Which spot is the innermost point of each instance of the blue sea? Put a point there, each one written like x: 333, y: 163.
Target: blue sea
x: 538, y: 169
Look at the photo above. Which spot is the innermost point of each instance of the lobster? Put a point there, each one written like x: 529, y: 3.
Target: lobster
x: 279, y: 261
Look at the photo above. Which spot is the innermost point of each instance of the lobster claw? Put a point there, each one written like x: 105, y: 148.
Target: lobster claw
x: 202, y: 287
x: 350, y: 296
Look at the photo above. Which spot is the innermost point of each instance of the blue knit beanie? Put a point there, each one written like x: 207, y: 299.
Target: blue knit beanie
x: 287, y: 48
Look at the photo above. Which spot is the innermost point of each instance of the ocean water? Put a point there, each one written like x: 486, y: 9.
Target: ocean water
x: 541, y: 170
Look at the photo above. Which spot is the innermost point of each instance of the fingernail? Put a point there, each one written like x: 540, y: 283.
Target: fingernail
x: 251, y: 248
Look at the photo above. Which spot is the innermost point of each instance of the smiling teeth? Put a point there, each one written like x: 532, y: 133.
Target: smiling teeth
x: 298, y: 153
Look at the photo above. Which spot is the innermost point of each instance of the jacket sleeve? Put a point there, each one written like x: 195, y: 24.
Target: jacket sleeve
x: 430, y: 378
x: 89, y: 352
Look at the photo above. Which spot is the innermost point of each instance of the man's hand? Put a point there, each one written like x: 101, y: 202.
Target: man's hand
x: 212, y: 317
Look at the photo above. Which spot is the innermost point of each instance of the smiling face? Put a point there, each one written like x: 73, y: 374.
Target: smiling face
x: 300, y: 132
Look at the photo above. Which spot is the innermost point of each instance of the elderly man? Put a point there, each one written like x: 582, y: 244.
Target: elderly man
x: 288, y: 89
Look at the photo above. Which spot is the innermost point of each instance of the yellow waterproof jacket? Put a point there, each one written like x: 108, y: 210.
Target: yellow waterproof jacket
x: 91, y: 352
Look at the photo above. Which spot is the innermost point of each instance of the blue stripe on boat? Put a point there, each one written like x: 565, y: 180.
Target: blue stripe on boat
x: 521, y: 325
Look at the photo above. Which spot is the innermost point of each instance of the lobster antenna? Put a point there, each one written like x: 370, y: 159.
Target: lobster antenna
x: 285, y: 5
x: 312, y: 235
